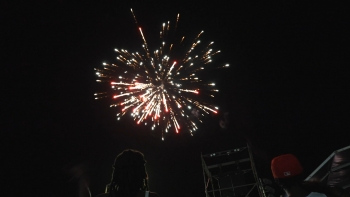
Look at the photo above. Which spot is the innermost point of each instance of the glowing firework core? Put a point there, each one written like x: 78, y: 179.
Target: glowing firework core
x: 153, y: 87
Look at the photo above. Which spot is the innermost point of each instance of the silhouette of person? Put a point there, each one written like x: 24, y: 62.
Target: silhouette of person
x: 129, y: 177
x: 287, y: 172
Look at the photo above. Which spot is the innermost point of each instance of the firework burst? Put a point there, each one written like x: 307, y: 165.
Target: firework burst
x: 162, y: 88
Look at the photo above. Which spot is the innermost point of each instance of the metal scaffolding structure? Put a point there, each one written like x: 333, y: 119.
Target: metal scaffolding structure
x: 334, y: 171
x: 231, y: 173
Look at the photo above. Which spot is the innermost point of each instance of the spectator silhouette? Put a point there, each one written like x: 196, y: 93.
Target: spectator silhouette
x: 287, y: 171
x: 129, y: 177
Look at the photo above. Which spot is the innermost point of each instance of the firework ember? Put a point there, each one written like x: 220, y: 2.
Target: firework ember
x: 163, y: 88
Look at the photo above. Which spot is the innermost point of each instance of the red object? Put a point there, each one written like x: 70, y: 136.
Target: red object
x: 285, y: 166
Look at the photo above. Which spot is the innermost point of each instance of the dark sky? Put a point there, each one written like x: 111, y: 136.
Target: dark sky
x: 287, y: 84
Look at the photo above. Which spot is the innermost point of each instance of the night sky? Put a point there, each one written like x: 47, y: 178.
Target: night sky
x: 287, y: 84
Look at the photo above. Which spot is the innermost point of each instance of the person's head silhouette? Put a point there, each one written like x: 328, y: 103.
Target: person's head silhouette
x: 129, y: 174
x: 288, y: 173
x: 129, y: 177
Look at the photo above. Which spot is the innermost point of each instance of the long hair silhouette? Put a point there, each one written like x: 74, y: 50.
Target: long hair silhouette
x: 129, y: 174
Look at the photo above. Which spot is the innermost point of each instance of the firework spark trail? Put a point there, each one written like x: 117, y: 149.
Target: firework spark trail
x: 158, y: 88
